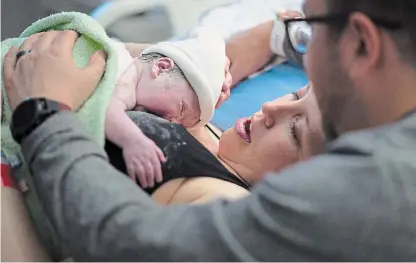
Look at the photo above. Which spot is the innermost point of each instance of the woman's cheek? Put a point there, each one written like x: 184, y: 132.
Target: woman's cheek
x: 280, y: 154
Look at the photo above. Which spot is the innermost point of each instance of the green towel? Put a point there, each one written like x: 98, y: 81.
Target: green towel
x: 92, y: 113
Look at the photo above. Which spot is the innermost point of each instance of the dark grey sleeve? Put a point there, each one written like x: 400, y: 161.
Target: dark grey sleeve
x: 301, y: 214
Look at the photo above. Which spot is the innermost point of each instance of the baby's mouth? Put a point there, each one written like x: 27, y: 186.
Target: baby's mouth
x: 243, y: 129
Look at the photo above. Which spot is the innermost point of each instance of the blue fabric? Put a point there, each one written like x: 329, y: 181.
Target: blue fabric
x: 248, y: 97
x: 100, y: 9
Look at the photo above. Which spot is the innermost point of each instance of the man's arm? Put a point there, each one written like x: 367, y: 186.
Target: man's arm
x: 102, y: 215
x: 306, y: 213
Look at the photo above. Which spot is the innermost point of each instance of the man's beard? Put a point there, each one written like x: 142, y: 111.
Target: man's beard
x: 333, y: 103
x: 329, y: 130
x: 342, y: 110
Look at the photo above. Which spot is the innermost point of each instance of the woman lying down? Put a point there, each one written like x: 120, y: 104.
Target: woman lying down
x: 199, y: 169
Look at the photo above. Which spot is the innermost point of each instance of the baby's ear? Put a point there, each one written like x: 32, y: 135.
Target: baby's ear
x: 162, y: 65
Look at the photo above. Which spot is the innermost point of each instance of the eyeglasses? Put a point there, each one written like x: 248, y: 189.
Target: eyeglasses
x: 299, y: 30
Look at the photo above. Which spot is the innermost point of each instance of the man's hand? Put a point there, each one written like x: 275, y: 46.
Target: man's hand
x: 143, y: 160
x: 49, y: 70
x: 228, y: 81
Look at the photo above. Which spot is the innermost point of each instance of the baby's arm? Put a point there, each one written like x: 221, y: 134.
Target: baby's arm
x: 119, y: 128
x: 142, y: 156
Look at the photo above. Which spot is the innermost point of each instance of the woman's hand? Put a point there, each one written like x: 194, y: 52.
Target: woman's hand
x: 49, y: 70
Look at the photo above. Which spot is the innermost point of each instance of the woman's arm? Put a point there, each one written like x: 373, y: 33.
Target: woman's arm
x: 249, y: 51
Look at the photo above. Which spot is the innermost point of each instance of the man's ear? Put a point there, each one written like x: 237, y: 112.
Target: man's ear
x: 365, y: 44
x: 162, y: 65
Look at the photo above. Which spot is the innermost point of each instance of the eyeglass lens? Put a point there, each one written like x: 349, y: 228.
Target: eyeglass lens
x: 300, y: 34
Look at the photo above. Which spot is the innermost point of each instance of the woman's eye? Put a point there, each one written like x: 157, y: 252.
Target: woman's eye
x: 294, y: 131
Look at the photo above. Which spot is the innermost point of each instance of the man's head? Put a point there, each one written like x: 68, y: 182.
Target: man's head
x: 362, y: 61
x: 164, y: 91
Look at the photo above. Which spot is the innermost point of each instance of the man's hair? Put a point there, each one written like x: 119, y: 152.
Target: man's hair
x: 403, y: 11
x: 151, y: 57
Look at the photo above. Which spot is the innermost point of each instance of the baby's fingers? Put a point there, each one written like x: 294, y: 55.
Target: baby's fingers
x: 141, y: 175
x: 158, y: 171
x: 130, y: 170
x: 150, y: 173
x: 161, y: 155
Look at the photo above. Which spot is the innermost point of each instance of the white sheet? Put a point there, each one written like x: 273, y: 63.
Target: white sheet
x: 246, y: 14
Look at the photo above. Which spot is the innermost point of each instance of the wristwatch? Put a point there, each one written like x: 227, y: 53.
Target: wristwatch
x: 30, y: 114
x: 280, y: 43
x: 277, y: 38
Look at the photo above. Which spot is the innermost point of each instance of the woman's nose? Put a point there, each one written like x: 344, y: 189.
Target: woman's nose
x: 278, y: 109
x: 267, y: 110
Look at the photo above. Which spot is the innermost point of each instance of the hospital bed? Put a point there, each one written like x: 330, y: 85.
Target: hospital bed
x: 247, y: 98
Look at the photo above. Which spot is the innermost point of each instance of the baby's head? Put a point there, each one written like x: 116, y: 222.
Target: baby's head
x: 165, y: 91
x: 185, y: 78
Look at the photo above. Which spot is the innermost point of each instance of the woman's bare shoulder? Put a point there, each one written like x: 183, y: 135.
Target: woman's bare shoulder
x: 202, y: 190
x: 197, y: 190
x: 207, y: 137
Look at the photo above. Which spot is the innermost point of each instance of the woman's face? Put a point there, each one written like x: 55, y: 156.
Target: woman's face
x: 285, y: 131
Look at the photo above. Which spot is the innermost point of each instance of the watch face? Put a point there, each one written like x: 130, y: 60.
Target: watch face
x: 24, y: 114
x: 30, y: 114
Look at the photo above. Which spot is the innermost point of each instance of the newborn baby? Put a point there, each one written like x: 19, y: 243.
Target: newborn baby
x: 179, y: 81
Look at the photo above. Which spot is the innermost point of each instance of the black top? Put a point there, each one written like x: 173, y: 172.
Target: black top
x: 186, y: 156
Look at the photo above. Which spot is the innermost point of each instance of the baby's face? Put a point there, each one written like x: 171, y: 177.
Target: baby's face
x: 171, y: 99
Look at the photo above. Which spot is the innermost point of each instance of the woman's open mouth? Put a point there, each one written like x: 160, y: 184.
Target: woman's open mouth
x: 243, y: 129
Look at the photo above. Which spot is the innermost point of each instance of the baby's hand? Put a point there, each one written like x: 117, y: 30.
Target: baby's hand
x: 143, y: 160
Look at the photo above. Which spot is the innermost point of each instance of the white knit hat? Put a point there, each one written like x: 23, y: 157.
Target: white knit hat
x: 202, y: 60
